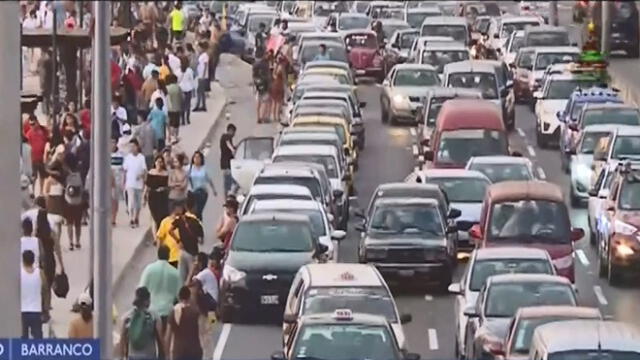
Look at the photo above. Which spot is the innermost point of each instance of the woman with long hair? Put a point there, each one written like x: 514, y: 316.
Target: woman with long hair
x: 157, y: 191
x: 81, y: 326
x: 199, y: 181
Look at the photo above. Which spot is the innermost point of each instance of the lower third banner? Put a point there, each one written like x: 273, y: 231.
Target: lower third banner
x: 49, y: 349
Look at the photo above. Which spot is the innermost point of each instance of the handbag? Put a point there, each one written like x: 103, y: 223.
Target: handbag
x: 61, y: 285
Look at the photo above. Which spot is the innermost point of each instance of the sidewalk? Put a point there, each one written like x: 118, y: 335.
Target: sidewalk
x: 126, y: 241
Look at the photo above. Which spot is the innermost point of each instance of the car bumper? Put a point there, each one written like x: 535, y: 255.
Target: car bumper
x: 405, y: 113
x: 358, y: 130
x: 368, y: 71
x: 550, y: 127
x: 244, y: 300
x: 430, y: 271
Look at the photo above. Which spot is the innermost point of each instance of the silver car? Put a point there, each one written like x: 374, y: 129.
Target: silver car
x: 503, y: 168
x: 403, y: 91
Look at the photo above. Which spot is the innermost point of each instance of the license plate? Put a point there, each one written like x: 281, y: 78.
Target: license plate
x: 406, y: 273
x: 269, y: 299
x: 361, y: 72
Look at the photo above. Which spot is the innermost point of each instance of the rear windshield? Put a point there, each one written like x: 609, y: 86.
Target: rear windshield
x: 530, y: 221
x: 327, y: 161
x: 483, y: 269
x: 611, y: 116
x: 310, y: 183
x: 545, y: 60
x: 548, y: 39
x: 270, y: 236
x: 457, y: 32
x: 458, y: 146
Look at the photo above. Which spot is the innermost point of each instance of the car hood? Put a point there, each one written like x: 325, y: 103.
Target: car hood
x: 555, y: 250
x: 403, y: 241
x: 470, y: 211
x: 272, y: 261
x: 497, y: 327
x: 582, y: 159
x: 553, y: 106
x: 409, y: 90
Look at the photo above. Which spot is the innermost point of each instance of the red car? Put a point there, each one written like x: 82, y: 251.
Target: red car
x: 365, y: 54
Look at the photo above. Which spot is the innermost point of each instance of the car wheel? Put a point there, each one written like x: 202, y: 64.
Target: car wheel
x: 575, y: 200
x: 542, y: 144
x: 383, y: 111
x: 445, y: 281
x: 592, y: 235
x: 361, y: 143
x: 511, y: 124
x: 603, y: 269
x: 456, y: 349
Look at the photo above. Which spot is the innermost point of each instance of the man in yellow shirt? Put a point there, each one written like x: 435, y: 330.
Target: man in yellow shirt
x: 166, y: 236
x: 176, y: 19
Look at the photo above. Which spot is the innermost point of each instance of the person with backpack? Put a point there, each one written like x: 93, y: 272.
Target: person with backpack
x: 141, y: 333
x: 163, y: 283
x: 74, y: 201
x: 182, y: 339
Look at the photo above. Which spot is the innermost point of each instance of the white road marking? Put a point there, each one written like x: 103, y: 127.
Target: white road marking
x: 583, y: 257
x: 541, y: 174
x: 222, y: 341
x: 521, y: 132
x: 412, y: 131
x: 600, y: 295
x: 415, y: 149
x: 428, y: 297
x: 433, y: 339
x: 531, y: 151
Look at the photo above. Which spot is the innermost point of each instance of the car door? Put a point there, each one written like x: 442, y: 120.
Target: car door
x: 251, y: 155
x: 595, y: 203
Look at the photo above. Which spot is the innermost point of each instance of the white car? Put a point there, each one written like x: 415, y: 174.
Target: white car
x: 320, y: 220
x: 484, y: 263
x: 439, y: 54
x: 598, y: 195
x: 273, y: 192
x: 420, y: 42
x: 550, y: 55
x: 403, y: 91
x: 500, y: 29
x: 515, y: 42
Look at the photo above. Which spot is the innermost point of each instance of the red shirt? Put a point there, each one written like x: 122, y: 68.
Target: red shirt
x: 85, y: 119
x: 116, y: 73
x: 37, y: 138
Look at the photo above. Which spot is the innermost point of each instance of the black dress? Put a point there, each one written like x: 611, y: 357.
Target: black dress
x: 158, y: 200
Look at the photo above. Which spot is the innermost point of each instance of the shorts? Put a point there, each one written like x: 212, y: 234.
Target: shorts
x: 174, y: 119
x: 38, y: 170
x: 73, y: 213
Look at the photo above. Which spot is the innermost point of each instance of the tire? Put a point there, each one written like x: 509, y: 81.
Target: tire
x: 575, y: 201
x: 592, y: 235
x: 361, y: 143
x: 384, y: 112
x: 540, y: 141
x: 445, y: 281
x: 511, y: 124
x: 603, y: 268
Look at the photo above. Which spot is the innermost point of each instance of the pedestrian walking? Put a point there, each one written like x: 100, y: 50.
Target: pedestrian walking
x: 217, y: 34
x: 261, y: 41
x: 199, y: 182
x: 85, y: 116
x: 54, y: 189
x: 178, y: 181
x: 135, y: 168
x: 192, y: 58
x: 153, y: 65
x: 161, y: 93
x: 117, y: 173
x: 157, y: 192
x: 158, y: 119
x: 278, y: 87
x: 168, y: 238
x: 206, y: 281
x: 191, y: 235
x: 28, y: 241
x: 119, y: 119
x: 149, y: 87
x: 182, y: 339
x: 141, y: 333
x: 177, y: 23
x: 227, y: 222
x: 187, y: 85
x: 165, y: 69
x: 34, y: 297
x: 74, y: 205
x: 81, y: 326
x: 163, y: 282
x: 174, y: 106
x: 262, y: 83
x: 146, y: 136
x: 227, y: 150
x: 37, y: 136
x: 202, y: 75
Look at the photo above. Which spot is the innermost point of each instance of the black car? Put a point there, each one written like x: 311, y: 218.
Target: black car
x: 624, y: 25
x: 411, y: 191
x: 409, y: 238
x: 265, y: 253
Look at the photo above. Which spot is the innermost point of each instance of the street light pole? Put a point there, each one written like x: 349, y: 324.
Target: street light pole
x: 101, y: 204
x: 554, y: 13
x: 605, y: 37
x: 10, y: 165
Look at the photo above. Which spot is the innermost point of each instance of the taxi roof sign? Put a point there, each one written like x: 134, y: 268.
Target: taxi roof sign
x: 342, y: 314
x: 347, y: 276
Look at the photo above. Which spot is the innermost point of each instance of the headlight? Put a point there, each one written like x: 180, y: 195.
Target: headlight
x: 400, y: 99
x: 624, y: 228
x: 563, y: 262
x: 232, y: 275
x: 375, y: 254
x: 624, y: 250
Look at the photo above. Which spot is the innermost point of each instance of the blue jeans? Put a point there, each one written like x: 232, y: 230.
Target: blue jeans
x: 32, y: 323
x: 186, y: 108
x: 228, y: 181
x: 200, y: 196
x: 200, y: 94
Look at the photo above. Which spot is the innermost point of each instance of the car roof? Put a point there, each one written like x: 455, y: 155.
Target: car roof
x: 311, y: 149
x: 352, y: 14
x: 275, y: 217
x: 286, y: 171
x: 558, y: 311
x: 322, y: 34
x: 392, y: 21
x: 292, y: 189
x: 445, y: 20
x: 324, y: 94
x: 326, y: 63
x: 500, y: 159
x: 456, y: 113
x: 311, y: 135
x: 309, y: 130
x: 296, y: 26
x: 608, y: 105
x: 343, y: 275
x: 545, y: 28
x: 593, y: 335
x: 412, y: 66
x: 524, y: 190
x: 602, y: 127
x: 408, y: 30
x: 428, y: 10
x: 452, y: 173
x: 328, y: 87
x: 470, y: 66
x: 510, y: 252
x: 440, y: 91
x: 289, y: 204
x: 525, y: 278
x: 398, y: 187
x: 627, y: 130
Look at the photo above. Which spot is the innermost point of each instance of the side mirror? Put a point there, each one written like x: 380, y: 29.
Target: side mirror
x: 577, y: 234
x: 512, y: 66
x: 284, y: 123
x: 363, y: 104
x: 395, y: 46
x: 537, y: 94
x: 470, y: 312
x: 405, y: 318
x: 603, y: 194
x: 411, y: 356
x: 424, y: 142
x: 454, y: 213
x: 516, y: 154
x: 428, y: 155
x: 496, y: 36
x: 455, y: 288
x: 475, y: 232
x: 289, y: 318
x: 337, y: 193
x: 593, y: 192
x: 278, y: 355
x: 358, y: 213
x: 574, y: 44
x: 385, y: 82
x: 338, y: 235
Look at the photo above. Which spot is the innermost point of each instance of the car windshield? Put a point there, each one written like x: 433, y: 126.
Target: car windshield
x: 611, y: 116
x: 458, y: 146
x: 345, y: 342
x: 545, y: 60
x: 259, y: 197
x: 508, y: 29
x: 485, y: 82
x: 490, y: 9
x: 483, y: 269
x: 503, y: 172
x: 562, y: 89
x: 457, y: 32
x: 361, y: 41
x: 504, y: 299
x: 590, y: 139
x: 334, y: 51
x: 577, y: 109
x: 327, y: 161
x: 516, y: 43
x: 317, y: 219
x: 594, y: 355
x: 363, y: 300
x: 310, y: 183
x: 407, y: 39
x: 389, y: 29
x: 630, y: 196
x: 416, y: 19
x: 440, y: 58
x: 342, y: 79
x: 256, y: 20
x: 407, y: 219
x: 548, y: 39
x: 415, y: 77
x: 339, y: 129
x: 523, y: 334
x: 530, y: 220
x: 353, y: 22
x: 391, y: 13
x: 461, y: 189
x: 323, y: 10
x: 626, y: 146
x: 272, y: 236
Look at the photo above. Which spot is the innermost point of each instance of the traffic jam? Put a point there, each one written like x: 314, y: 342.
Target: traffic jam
x: 452, y: 179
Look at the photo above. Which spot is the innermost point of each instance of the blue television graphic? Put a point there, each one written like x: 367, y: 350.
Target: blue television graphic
x: 49, y: 349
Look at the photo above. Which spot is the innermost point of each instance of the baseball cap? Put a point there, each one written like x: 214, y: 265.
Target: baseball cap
x: 85, y: 299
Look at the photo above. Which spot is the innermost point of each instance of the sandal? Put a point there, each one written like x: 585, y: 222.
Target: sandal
x: 78, y: 246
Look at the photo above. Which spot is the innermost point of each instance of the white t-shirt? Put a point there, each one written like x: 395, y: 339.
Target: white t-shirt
x: 134, y: 168
x: 203, y: 66
x: 30, y: 23
x: 174, y: 64
x: 30, y: 291
x: 32, y: 214
x: 31, y: 243
x: 209, y: 282
x: 120, y: 113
